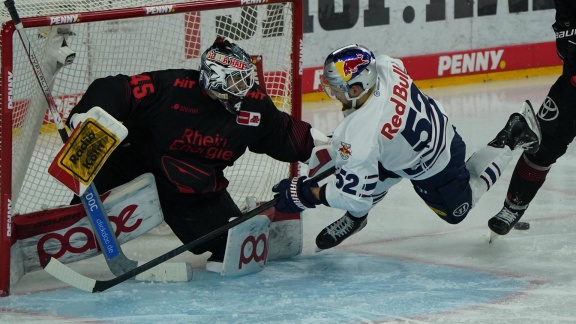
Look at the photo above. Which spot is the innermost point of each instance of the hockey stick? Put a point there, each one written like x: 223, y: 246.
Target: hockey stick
x: 117, y: 261
x: 73, y: 278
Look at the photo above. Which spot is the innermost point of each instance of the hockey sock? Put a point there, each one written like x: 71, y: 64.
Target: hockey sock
x: 526, y: 181
x: 486, y: 166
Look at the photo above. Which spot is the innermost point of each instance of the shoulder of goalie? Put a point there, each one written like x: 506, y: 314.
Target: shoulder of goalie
x: 96, y: 134
x: 66, y: 234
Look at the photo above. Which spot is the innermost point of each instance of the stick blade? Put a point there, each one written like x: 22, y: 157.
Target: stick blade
x: 167, y: 272
x: 63, y: 273
x: 120, y: 264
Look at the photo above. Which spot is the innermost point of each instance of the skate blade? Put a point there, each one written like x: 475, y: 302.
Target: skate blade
x: 528, y: 112
x: 317, y: 250
x: 493, y: 236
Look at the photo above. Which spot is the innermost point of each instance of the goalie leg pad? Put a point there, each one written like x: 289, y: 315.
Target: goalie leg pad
x: 286, y: 236
x: 66, y: 234
x: 246, y: 248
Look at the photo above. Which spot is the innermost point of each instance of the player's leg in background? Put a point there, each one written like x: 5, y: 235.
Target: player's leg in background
x: 557, y: 119
x: 486, y: 165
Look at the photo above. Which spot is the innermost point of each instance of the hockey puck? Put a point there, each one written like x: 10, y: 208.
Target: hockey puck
x: 522, y: 226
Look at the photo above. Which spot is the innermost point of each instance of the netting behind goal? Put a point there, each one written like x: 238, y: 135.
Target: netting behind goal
x: 127, y: 37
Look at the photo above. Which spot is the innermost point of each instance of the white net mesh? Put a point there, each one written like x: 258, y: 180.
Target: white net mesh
x: 130, y: 46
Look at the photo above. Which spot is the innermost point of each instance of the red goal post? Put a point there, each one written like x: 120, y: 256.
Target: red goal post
x: 126, y: 37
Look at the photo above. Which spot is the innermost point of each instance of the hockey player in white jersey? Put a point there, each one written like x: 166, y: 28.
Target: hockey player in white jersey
x: 393, y: 131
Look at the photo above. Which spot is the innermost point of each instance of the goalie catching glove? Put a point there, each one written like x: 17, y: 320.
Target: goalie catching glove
x: 295, y: 195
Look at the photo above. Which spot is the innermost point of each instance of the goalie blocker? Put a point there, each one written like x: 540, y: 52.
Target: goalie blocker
x: 88, y: 147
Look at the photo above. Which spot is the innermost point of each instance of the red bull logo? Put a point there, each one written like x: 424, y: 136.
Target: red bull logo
x: 348, y: 67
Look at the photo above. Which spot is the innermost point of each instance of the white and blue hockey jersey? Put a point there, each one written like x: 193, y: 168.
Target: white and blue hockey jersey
x: 399, y: 128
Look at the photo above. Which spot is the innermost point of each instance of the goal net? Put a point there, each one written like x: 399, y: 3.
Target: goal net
x: 126, y: 37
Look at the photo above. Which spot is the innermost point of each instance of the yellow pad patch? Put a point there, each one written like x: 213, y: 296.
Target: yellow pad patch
x: 438, y: 211
x: 86, y: 151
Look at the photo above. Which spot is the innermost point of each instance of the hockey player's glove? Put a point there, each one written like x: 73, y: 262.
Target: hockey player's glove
x: 294, y: 195
x: 566, y: 47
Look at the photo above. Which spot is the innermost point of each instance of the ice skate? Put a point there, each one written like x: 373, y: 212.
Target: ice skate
x: 521, y: 131
x: 503, y: 222
x: 340, y: 230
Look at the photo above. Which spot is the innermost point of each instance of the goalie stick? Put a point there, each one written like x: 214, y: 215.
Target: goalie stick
x: 117, y: 261
x: 73, y: 278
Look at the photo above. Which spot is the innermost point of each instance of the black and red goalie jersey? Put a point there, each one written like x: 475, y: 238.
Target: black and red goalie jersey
x: 184, y: 137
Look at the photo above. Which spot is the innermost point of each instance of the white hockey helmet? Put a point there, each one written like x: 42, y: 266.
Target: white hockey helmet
x: 228, y: 72
x: 347, y: 66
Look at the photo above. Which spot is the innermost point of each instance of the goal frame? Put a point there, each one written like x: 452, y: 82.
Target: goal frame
x: 7, y: 236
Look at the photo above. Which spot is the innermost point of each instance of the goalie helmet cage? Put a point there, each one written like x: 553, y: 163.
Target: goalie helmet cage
x: 126, y: 37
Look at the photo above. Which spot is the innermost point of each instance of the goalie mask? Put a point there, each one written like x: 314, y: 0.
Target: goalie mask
x: 227, y: 72
x: 347, y: 66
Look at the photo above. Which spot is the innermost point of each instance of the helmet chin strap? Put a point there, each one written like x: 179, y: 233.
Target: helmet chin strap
x: 354, y: 101
x: 216, y: 95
